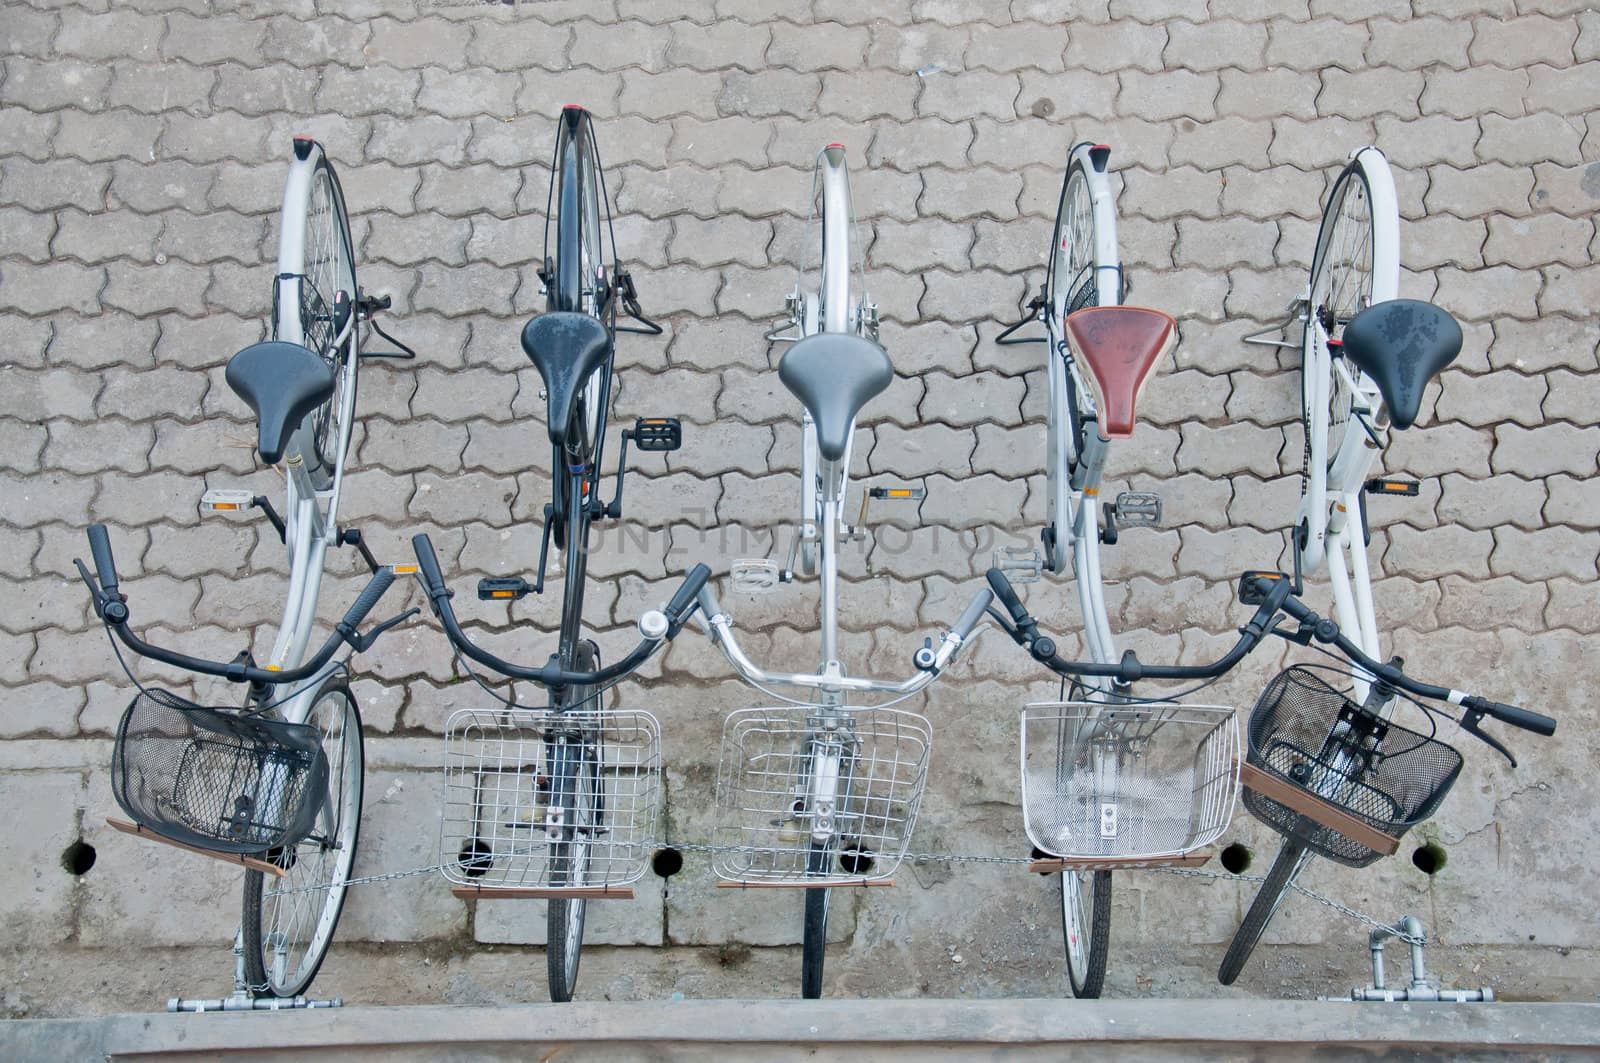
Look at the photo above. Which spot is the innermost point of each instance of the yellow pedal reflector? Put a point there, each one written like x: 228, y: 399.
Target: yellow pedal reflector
x: 403, y: 570
x: 226, y: 500
x: 899, y: 492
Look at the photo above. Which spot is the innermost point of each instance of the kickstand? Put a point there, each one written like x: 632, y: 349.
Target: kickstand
x: 1034, y: 311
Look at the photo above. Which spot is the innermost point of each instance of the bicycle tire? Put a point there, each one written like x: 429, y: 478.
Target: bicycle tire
x: 1080, y: 254
x: 315, y: 246
x: 1291, y: 859
x: 1354, y: 264
x: 569, y: 864
x: 814, y: 947
x: 309, y: 864
x: 1088, y: 975
x: 578, y: 279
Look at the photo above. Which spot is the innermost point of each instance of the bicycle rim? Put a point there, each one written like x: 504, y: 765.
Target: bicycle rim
x: 1291, y: 859
x: 1342, y: 283
x: 569, y: 865
x: 328, y: 268
x: 287, y: 932
x: 579, y: 283
x: 1071, y: 276
x: 1086, y: 929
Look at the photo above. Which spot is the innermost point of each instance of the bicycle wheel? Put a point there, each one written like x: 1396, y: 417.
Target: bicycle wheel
x: 578, y: 279
x: 1083, y: 257
x: 1291, y: 859
x: 1086, y: 928
x: 288, y: 927
x: 575, y: 775
x: 1355, y: 264
x: 813, y: 952
x: 316, y: 264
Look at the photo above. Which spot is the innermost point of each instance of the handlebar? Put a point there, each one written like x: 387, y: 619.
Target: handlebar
x: 657, y: 629
x: 929, y: 661
x: 1274, y: 595
x: 111, y: 606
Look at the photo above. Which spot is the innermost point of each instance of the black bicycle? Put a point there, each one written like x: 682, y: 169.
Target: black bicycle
x: 555, y: 803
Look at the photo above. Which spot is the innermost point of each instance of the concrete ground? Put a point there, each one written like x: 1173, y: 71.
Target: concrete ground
x: 142, y: 149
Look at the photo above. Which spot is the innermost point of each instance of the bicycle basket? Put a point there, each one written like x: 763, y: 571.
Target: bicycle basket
x: 1300, y: 732
x: 776, y: 761
x: 219, y: 780
x: 541, y: 799
x: 1127, y: 781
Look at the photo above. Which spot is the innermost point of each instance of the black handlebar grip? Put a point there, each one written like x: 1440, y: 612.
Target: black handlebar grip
x: 1008, y: 596
x: 688, y: 591
x: 974, y: 613
x: 1528, y: 721
x: 105, y: 566
x: 428, y: 561
x: 380, y: 582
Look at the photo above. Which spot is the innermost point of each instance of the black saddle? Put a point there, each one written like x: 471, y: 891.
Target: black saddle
x: 566, y: 348
x: 281, y: 382
x: 834, y: 374
x: 1402, y: 344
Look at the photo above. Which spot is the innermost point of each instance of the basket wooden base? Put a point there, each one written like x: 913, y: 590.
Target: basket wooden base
x: 1054, y: 865
x: 826, y: 883
x: 238, y: 859
x: 1315, y: 808
x: 507, y: 893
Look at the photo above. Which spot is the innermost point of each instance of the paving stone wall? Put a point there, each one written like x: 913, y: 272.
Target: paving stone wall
x: 142, y: 153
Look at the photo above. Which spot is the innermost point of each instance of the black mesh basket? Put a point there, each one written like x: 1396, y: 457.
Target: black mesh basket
x: 220, y: 780
x: 1391, y: 787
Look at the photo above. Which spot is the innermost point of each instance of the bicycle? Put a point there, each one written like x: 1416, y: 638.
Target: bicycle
x: 587, y: 775
x: 1364, y: 353
x: 1099, y: 357
x: 277, y: 783
x: 1369, y: 779
x: 819, y: 784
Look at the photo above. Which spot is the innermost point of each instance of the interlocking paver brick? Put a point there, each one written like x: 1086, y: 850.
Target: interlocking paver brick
x: 723, y: 140
x: 1570, y: 291
x: 1268, y: 94
x: 1521, y: 42
x: 1544, y: 553
x: 1170, y: 94
x: 1546, y: 449
x: 1482, y: 190
x: 1572, y: 397
x: 420, y: 42
x: 1530, y: 242
x: 1312, y: 45
x: 718, y: 45
x: 1469, y: 93
x: 1213, y: 45
x: 470, y: 191
x: 676, y: 92
x: 857, y: 96
x: 42, y: 85
x: 43, y: 186
x: 921, y: 47
x: 1415, y: 43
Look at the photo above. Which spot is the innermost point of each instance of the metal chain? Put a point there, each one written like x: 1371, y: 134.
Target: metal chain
x: 921, y: 859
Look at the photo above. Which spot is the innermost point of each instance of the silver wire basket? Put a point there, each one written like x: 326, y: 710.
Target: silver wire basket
x: 1127, y: 781
x: 775, y: 762
x: 496, y: 825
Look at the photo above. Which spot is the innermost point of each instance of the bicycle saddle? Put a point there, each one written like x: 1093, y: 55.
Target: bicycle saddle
x: 566, y: 347
x: 1402, y: 344
x: 1120, y: 345
x: 834, y: 374
x: 281, y: 382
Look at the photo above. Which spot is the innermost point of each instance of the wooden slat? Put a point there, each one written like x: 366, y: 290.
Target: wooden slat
x: 827, y: 883
x: 1315, y: 808
x: 251, y: 862
x: 506, y: 893
x: 1100, y: 863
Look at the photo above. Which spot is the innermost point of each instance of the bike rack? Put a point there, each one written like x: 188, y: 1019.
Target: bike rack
x: 1422, y: 988
x: 241, y: 1000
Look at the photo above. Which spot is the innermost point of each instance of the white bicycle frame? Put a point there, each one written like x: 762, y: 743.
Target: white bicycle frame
x: 1334, y: 490
x: 1076, y: 496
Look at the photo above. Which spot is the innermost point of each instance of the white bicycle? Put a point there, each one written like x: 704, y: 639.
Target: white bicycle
x: 274, y: 784
x: 819, y: 791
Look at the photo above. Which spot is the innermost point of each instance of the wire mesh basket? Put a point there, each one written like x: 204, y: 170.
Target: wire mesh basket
x: 221, y: 780
x: 1306, y: 733
x: 540, y: 799
x: 778, y: 768
x: 1127, y: 781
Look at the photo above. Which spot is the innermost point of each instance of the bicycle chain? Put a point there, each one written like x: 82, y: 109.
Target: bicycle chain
x: 922, y: 859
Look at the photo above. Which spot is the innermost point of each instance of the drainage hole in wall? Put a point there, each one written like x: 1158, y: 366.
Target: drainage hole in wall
x: 476, y: 858
x: 1236, y: 858
x: 855, y: 862
x: 1430, y: 858
x: 78, y: 857
x: 666, y: 862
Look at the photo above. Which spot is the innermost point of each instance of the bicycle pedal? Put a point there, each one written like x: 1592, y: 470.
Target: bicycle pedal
x: 1138, y: 509
x: 226, y: 500
x: 755, y: 575
x: 1247, y: 591
x: 1386, y: 485
x: 1020, y: 564
x: 915, y: 494
x: 658, y: 433
x: 503, y: 588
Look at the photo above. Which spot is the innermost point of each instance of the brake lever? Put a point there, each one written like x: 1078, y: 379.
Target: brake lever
x: 102, y: 601
x: 1469, y: 722
x: 361, y: 643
